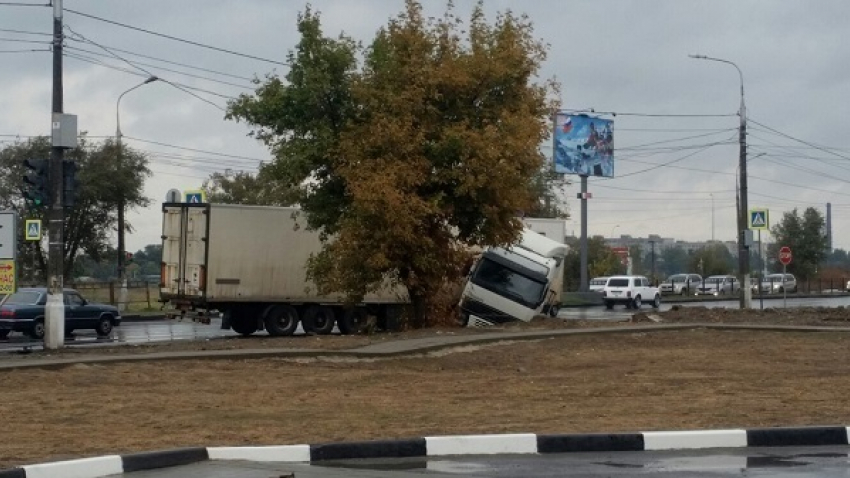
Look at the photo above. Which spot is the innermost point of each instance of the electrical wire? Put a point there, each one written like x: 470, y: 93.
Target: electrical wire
x: 648, y: 115
x: 191, y: 149
x: 18, y: 40
x: 179, y: 86
x: 185, y: 65
x: 25, y: 32
x: 24, y: 51
x: 170, y: 37
x: 811, y: 145
x: 642, y: 146
x: 192, y: 75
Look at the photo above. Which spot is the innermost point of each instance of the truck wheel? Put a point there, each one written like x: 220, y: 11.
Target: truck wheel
x: 243, y: 324
x: 609, y: 305
x: 352, y: 321
x: 656, y: 303
x: 553, y: 311
x: 636, y: 304
x: 281, y: 320
x: 318, y: 319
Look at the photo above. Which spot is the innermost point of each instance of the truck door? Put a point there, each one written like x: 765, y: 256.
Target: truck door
x: 184, y: 232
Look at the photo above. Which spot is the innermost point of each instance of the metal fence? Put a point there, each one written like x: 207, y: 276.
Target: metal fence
x: 141, y: 295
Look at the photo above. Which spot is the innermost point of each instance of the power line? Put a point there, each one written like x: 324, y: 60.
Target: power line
x: 21, y: 4
x: 661, y: 165
x: 179, y: 86
x: 812, y: 145
x: 25, y: 32
x: 192, y: 149
x: 641, y: 146
x: 650, y: 115
x: 170, y: 37
x: 654, y: 191
x: 177, y: 63
x: 168, y: 69
x: 18, y: 40
x: 24, y: 51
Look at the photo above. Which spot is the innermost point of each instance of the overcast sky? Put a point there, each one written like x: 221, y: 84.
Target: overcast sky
x: 624, y: 57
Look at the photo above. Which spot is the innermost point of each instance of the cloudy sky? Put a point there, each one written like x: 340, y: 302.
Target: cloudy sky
x: 675, y: 124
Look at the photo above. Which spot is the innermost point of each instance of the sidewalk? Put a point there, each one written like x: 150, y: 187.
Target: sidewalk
x: 389, y: 349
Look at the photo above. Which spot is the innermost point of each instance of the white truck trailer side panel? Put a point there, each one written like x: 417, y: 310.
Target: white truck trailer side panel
x: 259, y: 254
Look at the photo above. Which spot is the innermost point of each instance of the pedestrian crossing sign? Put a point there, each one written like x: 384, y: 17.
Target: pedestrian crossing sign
x: 195, y: 197
x: 32, y: 230
x: 759, y: 219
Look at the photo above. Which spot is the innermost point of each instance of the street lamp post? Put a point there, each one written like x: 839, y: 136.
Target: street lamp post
x: 612, y: 231
x: 743, y: 251
x: 122, y: 267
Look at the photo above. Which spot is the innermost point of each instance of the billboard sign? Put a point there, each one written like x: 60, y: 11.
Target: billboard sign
x: 584, y: 145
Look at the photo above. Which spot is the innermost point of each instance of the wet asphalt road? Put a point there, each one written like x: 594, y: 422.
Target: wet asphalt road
x: 174, y: 330
x: 795, y: 462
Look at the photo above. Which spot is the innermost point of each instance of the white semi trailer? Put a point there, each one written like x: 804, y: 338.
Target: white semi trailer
x: 249, y: 263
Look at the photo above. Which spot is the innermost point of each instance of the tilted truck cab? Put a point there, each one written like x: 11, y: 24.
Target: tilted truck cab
x: 515, y: 283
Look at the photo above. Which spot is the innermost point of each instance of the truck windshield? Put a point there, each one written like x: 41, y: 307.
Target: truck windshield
x: 23, y: 298
x: 508, y: 283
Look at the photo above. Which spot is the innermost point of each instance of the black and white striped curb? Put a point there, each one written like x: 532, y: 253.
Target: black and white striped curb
x: 441, y: 446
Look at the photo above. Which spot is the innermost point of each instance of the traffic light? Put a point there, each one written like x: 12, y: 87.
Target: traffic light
x: 69, y: 183
x: 37, y: 182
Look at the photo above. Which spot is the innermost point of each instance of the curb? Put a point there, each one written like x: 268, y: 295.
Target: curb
x: 529, y: 443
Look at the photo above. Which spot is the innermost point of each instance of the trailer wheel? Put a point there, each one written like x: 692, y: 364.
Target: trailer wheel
x: 352, y: 321
x: 318, y: 319
x: 281, y: 320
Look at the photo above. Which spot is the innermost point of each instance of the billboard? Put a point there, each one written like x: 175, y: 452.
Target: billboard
x: 584, y: 145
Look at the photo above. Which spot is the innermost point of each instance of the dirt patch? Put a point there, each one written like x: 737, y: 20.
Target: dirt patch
x: 624, y: 382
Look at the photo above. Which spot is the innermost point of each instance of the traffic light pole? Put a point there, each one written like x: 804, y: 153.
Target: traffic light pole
x: 54, y: 331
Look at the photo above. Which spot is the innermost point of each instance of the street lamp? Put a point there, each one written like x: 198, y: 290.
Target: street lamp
x: 612, y: 231
x: 122, y: 272
x: 743, y: 252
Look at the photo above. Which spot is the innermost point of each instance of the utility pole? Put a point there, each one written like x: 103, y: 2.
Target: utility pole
x: 743, y: 229
x: 54, y: 331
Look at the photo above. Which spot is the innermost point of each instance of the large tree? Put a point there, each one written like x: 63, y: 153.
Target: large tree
x: 426, y: 149
x: 90, y: 224
x: 805, y: 236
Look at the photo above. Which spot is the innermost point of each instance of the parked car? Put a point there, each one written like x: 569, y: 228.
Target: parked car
x: 681, y: 284
x: 779, y: 283
x: 719, y: 285
x: 597, y: 284
x: 632, y: 291
x: 23, y: 311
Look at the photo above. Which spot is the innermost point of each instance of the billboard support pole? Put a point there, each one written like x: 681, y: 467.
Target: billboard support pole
x: 583, y: 287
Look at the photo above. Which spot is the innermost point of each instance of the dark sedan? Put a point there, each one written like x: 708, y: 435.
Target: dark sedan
x: 23, y: 311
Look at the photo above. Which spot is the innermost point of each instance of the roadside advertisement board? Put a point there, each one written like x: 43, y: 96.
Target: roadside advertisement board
x: 584, y: 145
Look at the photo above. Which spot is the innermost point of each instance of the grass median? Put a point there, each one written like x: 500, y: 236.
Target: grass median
x: 621, y: 382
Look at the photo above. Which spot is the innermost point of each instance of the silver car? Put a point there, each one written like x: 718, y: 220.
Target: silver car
x: 681, y: 284
x: 779, y: 283
x: 719, y: 285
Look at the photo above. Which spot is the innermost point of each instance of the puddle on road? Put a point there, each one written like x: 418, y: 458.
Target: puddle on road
x: 442, y: 466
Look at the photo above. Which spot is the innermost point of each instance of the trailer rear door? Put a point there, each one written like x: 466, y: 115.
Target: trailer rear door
x: 184, y: 250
